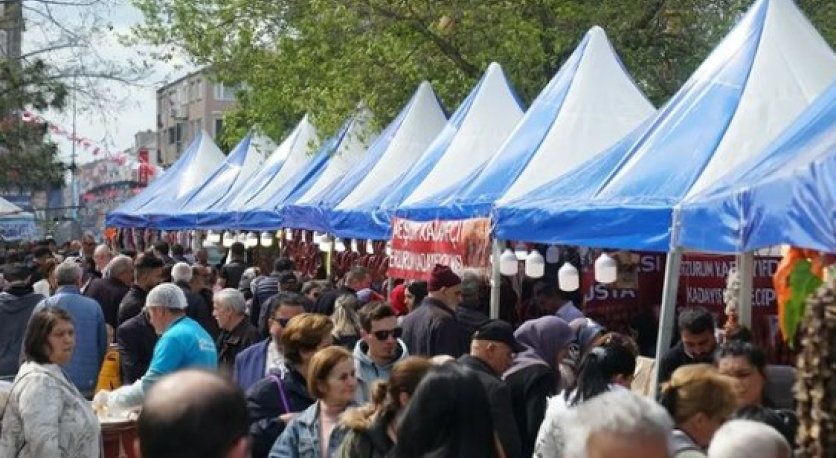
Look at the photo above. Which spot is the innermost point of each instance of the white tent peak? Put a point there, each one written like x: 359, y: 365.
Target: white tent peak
x: 493, y: 113
x: 8, y: 208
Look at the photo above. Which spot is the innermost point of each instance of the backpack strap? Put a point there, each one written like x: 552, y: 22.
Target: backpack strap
x: 282, y: 394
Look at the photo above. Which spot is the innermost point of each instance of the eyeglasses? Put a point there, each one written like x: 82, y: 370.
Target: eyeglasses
x: 281, y: 321
x: 383, y: 335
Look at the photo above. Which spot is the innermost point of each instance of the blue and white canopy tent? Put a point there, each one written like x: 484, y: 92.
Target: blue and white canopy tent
x: 327, y: 166
x: 16, y: 224
x: 285, y: 161
x: 199, y: 160
x: 480, y: 124
x: 390, y: 154
x: 589, y: 104
x: 752, y: 86
x: 230, y: 176
x: 786, y: 195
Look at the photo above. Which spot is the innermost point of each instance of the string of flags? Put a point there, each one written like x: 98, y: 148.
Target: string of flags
x: 57, y: 130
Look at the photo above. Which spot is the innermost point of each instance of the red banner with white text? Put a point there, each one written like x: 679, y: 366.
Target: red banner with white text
x: 418, y: 246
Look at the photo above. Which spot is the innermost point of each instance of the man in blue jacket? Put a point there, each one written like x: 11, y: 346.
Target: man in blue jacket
x: 255, y: 362
x: 89, y: 322
x: 183, y: 344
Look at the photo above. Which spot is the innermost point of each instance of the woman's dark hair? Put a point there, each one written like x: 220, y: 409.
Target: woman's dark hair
x: 35, y: 340
x: 449, y: 416
x: 753, y: 354
x: 785, y: 422
x: 404, y: 378
x: 418, y: 289
x: 597, y: 370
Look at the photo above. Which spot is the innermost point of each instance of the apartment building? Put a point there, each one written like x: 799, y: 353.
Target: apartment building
x: 186, y: 106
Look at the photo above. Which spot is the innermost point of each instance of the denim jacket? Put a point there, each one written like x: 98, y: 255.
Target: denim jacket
x: 301, y: 437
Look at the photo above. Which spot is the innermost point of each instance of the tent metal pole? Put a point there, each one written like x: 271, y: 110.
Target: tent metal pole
x: 496, y: 278
x: 667, y: 315
x: 746, y: 267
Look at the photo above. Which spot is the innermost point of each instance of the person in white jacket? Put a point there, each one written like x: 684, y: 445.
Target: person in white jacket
x: 46, y: 415
x: 605, y: 368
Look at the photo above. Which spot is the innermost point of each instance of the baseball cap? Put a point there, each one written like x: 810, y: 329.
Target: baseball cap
x: 498, y: 331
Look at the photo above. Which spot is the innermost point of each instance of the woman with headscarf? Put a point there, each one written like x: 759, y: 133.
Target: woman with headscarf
x: 535, y: 374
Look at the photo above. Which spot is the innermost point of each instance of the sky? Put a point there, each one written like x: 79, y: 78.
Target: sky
x: 132, y: 107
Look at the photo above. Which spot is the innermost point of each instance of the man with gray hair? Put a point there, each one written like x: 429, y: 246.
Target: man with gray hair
x: 198, y: 309
x: 112, y: 288
x: 748, y: 439
x: 89, y: 324
x: 183, y: 344
x: 619, y: 423
x: 101, y: 256
x: 237, y: 332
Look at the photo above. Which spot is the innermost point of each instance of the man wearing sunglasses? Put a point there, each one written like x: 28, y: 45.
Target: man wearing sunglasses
x: 379, y: 347
x: 255, y: 362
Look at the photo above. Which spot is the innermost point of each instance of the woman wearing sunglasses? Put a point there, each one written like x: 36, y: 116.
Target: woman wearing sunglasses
x: 379, y: 347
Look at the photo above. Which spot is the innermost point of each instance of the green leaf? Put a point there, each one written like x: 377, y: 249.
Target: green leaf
x: 802, y: 284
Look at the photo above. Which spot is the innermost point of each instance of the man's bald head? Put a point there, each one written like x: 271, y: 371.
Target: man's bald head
x: 192, y: 413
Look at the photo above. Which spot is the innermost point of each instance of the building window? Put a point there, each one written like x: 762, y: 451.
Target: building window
x: 196, y: 127
x: 199, y: 88
x: 225, y: 93
x: 219, y: 127
x: 172, y: 135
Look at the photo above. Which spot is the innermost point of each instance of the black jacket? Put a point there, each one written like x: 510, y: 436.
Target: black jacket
x: 470, y: 319
x: 198, y: 310
x: 673, y: 360
x: 230, y: 343
x: 131, y: 304
x: 530, y: 389
x: 16, y: 305
x: 108, y: 292
x: 501, y: 407
x: 136, y: 339
x: 371, y: 441
x: 432, y: 329
x: 265, y: 405
x: 325, y: 303
x: 232, y: 272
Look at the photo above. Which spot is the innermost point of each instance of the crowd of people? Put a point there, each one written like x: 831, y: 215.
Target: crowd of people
x: 229, y: 361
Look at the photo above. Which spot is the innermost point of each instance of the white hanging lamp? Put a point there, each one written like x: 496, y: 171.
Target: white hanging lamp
x: 213, y: 237
x: 606, y: 269
x: 520, y: 251
x: 568, y: 277
x: 369, y: 247
x: 339, y: 245
x: 288, y: 234
x: 266, y: 239
x: 325, y: 243
x: 228, y: 239
x: 317, y: 237
x: 535, y: 265
x: 508, y: 263
x: 251, y: 241
x: 388, y: 248
x: 354, y: 247
x: 552, y: 254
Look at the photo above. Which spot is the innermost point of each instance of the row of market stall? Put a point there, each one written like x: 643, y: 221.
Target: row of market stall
x: 742, y: 157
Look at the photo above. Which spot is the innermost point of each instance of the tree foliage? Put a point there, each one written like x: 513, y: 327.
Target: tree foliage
x: 323, y: 56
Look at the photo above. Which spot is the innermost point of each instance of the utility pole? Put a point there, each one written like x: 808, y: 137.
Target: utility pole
x: 73, y: 166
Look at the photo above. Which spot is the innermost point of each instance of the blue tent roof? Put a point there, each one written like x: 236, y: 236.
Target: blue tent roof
x: 786, y: 196
x: 396, y: 148
x: 281, y: 166
x: 721, y: 117
x: 589, y: 104
x: 188, y: 172
x: 267, y: 215
x: 371, y: 218
x: 227, y: 178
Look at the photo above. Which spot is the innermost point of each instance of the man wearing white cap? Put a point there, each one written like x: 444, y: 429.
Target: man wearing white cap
x: 183, y: 344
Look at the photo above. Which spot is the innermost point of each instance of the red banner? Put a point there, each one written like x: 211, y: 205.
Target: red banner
x: 418, y: 246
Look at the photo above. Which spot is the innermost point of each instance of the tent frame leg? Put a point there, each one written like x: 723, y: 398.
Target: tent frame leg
x: 496, y: 279
x: 745, y: 266
x: 667, y: 314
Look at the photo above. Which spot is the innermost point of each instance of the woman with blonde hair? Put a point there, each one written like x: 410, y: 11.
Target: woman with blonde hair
x: 699, y: 399
x: 373, y: 427
x: 346, y: 321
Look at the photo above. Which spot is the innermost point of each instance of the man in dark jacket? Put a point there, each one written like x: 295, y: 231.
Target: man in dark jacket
x: 432, y: 329
x: 231, y: 272
x: 148, y: 271
x: 288, y: 284
x: 491, y: 354
x: 697, y: 344
x: 112, y: 288
x: 197, y: 309
x: 136, y: 339
x: 356, y: 279
x: 237, y: 333
x: 468, y: 313
x: 16, y: 305
x: 259, y: 359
